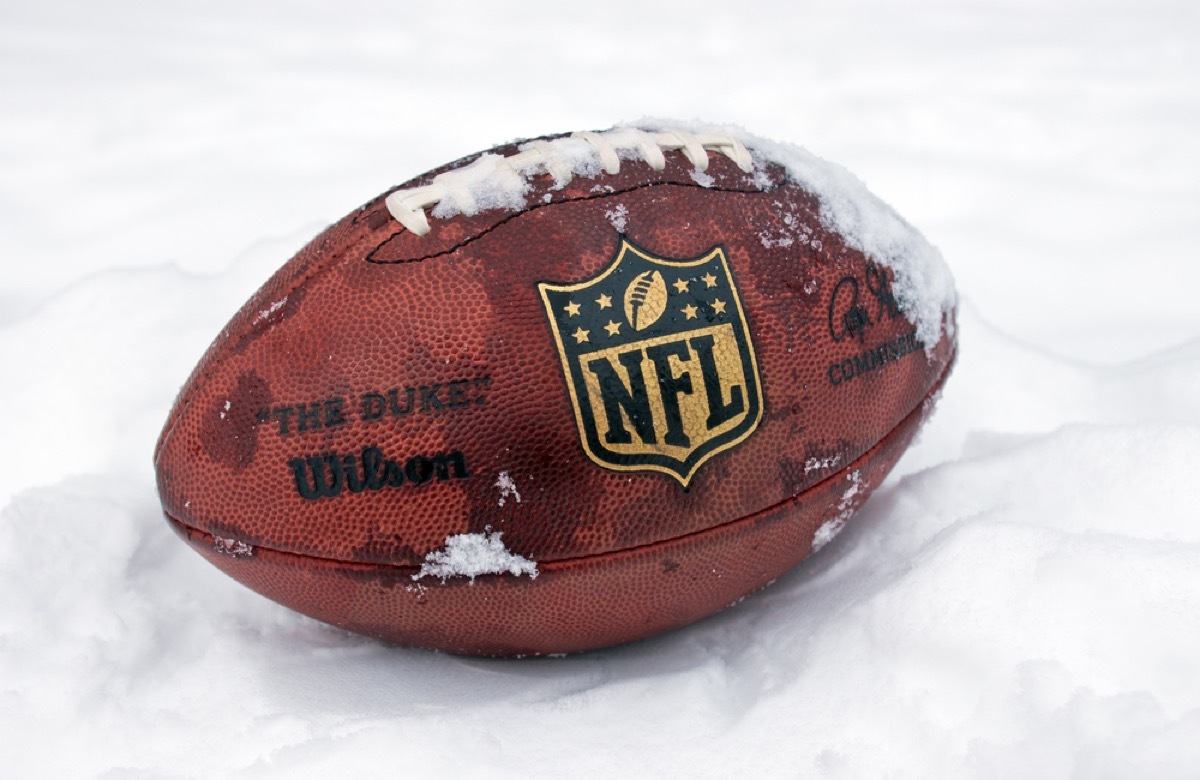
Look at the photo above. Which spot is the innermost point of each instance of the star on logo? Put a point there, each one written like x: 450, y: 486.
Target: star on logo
x: 613, y: 327
x: 680, y: 285
x: 580, y: 335
x: 718, y: 305
x: 689, y: 311
x: 572, y: 309
x: 709, y: 279
x: 604, y: 300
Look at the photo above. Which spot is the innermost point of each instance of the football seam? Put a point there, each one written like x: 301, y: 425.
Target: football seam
x: 919, y: 408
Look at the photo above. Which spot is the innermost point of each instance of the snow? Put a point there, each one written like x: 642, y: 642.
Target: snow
x: 507, y: 487
x: 266, y: 313
x: 235, y: 548
x: 482, y: 185
x: 923, y: 285
x: 470, y: 555
x: 828, y: 531
x: 1021, y: 598
x: 618, y: 216
x: 821, y: 464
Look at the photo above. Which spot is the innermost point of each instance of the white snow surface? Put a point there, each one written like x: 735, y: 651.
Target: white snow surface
x: 1020, y: 598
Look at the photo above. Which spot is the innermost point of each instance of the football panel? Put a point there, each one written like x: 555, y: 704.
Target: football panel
x: 572, y: 605
x: 472, y: 325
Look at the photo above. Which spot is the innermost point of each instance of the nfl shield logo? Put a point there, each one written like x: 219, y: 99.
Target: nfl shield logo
x: 658, y: 360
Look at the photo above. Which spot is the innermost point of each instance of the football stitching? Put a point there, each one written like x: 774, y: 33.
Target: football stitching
x: 562, y: 158
x: 577, y: 199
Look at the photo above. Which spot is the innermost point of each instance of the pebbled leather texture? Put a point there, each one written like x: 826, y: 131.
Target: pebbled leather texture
x: 436, y: 354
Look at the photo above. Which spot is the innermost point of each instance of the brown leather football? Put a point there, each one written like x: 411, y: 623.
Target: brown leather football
x: 563, y: 394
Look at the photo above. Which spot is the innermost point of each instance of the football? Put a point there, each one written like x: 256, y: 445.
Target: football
x: 563, y: 394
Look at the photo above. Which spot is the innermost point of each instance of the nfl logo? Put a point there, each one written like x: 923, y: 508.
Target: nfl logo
x: 658, y: 361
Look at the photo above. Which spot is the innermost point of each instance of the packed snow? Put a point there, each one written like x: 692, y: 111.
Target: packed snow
x: 1020, y: 598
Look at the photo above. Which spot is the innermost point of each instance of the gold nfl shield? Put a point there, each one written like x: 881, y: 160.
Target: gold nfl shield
x: 658, y: 361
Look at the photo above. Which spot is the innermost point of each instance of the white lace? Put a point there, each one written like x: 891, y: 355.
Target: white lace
x: 562, y: 158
